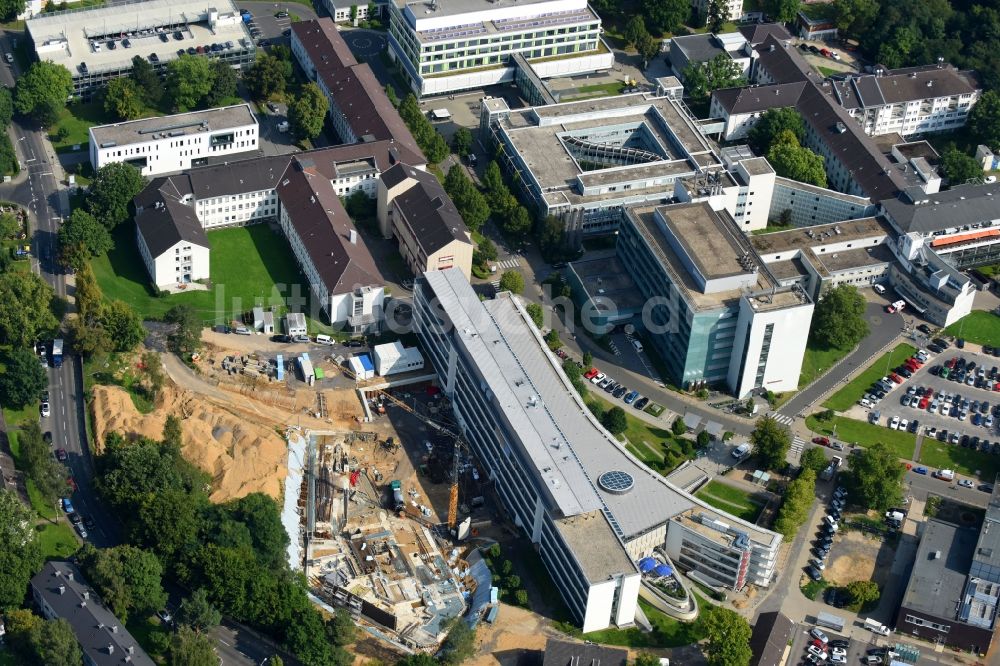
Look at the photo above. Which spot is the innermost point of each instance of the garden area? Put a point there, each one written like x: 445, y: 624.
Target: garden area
x: 861, y: 433
x: 816, y: 362
x: 248, y: 265
x: 846, y: 397
x: 730, y: 499
x: 965, y: 461
x: 979, y: 327
x: 658, y: 448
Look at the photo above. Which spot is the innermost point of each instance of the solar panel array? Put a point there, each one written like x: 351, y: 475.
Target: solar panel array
x: 543, y: 20
x: 451, y: 32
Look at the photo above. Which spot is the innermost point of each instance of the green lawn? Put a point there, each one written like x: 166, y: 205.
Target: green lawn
x: 646, y: 442
x: 843, y: 399
x: 57, y: 540
x: 828, y: 71
x: 667, y: 632
x: 813, y: 588
x: 865, y: 434
x: 941, y: 455
x: 731, y: 500
x: 771, y: 229
x: 816, y: 362
x: 247, y: 264
x: 38, y: 503
x: 151, y: 634
x: 979, y: 327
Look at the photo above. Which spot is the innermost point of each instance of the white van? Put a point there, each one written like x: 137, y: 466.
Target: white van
x: 324, y: 339
x: 741, y: 451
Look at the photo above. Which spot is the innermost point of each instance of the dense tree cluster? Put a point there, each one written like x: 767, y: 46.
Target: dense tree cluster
x: 701, y: 79
x: 469, y: 201
x: 21, y: 555
x: 727, y: 640
x: 82, y: 237
x: 8, y: 158
x: 25, y: 308
x: 109, y: 197
x: 233, y: 552
x: 798, y: 500
x: 839, y: 319
x: 515, y: 220
x: 429, y: 139
x: 102, y: 325
x: 771, y: 442
x: 877, y: 477
x: 791, y: 159
x: 307, y: 112
x: 42, y: 91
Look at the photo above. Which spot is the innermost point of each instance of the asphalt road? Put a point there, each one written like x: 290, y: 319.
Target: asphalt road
x: 884, y: 329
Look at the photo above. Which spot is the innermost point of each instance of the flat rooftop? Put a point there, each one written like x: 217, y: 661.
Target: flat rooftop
x: 712, y: 246
x: 940, y: 569
x: 65, y: 37
x: 819, y: 235
x: 604, y: 276
x: 443, y: 8
x: 181, y: 124
x: 594, y: 545
x: 559, y: 433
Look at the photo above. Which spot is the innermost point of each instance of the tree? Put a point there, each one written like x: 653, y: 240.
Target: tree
x: 129, y: 579
x: 189, y: 648
x: 123, y: 98
x: 863, y: 592
x: 461, y: 141
x: 262, y: 518
x: 771, y: 124
x: 678, y: 427
x: 469, y: 201
x: 418, y: 659
x: 21, y: 555
x: 854, y: 16
x: 519, y: 222
x: 727, y: 638
x: 20, y: 624
x: 984, y: 120
x: 224, y: 84
x: 770, y: 443
x: 24, y: 308
x: 23, y: 380
x: 493, y: 184
x: 82, y: 237
x: 123, y: 324
x: 635, y: 30
x: 588, y: 359
x: 718, y: 14
x: 792, y: 160
x: 186, y: 336
x: 340, y: 628
x: 535, y: 312
x: 266, y: 78
x: 614, y: 420
x: 646, y: 659
x: 89, y: 296
x: 460, y: 643
x: 487, y: 250
x: 552, y: 340
x: 839, y: 318
x: 307, y: 112
x: 48, y: 475
x: 666, y: 15
x: 720, y: 72
x: 960, y: 168
x: 6, y: 106
x: 648, y: 47
x: 551, y: 238
x: 198, y: 612
x: 172, y: 435
x: 110, y: 195
x: 55, y: 644
x: 703, y: 438
x: 512, y: 281
x: 796, y: 503
x: 41, y: 92
x: 9, y: 9
x: 782, y: 11
x: 189, y: 81
x: 390, y: 92
x: 145, y: 77
x: 877, y: 477
x: 814, y: 458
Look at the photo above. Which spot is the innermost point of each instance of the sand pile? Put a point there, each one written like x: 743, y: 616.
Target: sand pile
x: 242, y: 457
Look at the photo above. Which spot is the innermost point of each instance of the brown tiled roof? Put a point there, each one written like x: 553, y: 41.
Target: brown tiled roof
x: 322, y: 41
x: 384, y: 153
x: 755, y: 34
x: 324, y: 228
x: 428, y: 210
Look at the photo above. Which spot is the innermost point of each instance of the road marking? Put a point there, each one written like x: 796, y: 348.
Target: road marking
x: 224, y: 642
x: 45, y: 173
x: 513, y: 262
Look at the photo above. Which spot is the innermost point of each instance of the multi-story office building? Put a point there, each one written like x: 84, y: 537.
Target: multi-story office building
x: 721, y: 317
x: 60, y: 592
x: 913, y: 100
x: 97, y: 44
x: 582, y: 161
x: 809, y: 205
x: 591, y: 507
x: 460, y: 44
x: 175, y: 143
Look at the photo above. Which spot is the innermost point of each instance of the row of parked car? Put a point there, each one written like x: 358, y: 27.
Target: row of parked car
x: 821, y: 648
x: 79, y: 522
x: 880, y: 388
x: 829, y: 527
x: 945, y: 403
x: 608, y: 385
x: 961, y: 371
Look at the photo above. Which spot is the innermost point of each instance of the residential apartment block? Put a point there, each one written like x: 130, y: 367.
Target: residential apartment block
x: 97, y: 43
x: 60, y: 591
x: 171, y: 240
x: 173, y: 143
x: 448, y: 45
x: 591, y: 507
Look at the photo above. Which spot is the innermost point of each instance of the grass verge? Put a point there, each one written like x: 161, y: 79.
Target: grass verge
x: 817, y: 362
x: 57, y: 540
x: 813, y: 588
x: 864, y: 434
x: 843, y: 399
x: 941, y: 455
x: 151, y: 634
x: 980, y: 327
x: 667, y: 632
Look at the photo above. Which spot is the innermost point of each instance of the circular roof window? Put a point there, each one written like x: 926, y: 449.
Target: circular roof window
x: 616, y: 482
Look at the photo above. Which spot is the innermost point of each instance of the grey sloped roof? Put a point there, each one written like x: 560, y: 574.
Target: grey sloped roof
x: 427, y: 209
x: 161, y: 218
x: 925, y: 213
x: 96, y: 628
x: 757, y: 33
x: 760, y: 98
x: 250, y: 175
x: 566, y: 653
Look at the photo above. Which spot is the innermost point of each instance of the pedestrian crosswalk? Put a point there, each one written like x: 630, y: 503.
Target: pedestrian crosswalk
x: 510, y: 262
x: 782, y: 419
x: 496, y: 285
x: 797, y: 445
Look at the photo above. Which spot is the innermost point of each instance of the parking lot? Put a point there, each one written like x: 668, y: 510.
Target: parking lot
x: 856, y: 649
x: 952, y: 411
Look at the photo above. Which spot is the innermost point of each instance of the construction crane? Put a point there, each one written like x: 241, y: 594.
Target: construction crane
x: 453, y: 491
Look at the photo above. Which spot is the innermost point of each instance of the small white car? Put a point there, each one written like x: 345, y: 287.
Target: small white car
x: 598, y: 378
x: 894, y: 423
x: 816, y: 651
x: 878, y: 289
x: 903, y: 424
x: 838, y: 658
x: 45, y: 410
x: 966, y: 483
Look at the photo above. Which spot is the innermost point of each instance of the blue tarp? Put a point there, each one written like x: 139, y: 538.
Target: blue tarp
x: 491, y: 615
x: 663, y: 570
x: 280, y: 362
x: 646, y: 564
x: 366, y: 362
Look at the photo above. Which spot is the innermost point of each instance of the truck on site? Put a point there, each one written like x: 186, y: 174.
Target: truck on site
x: 830, y: 621
x: 945, y: 474
x: 57, y: 353
x: 397, y: 495
x: 877, y: 627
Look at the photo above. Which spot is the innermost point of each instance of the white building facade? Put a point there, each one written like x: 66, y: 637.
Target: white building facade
x: 183, y: 262
x: 450, y: 46
x: 175, y: 143
x: 237, y: 210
